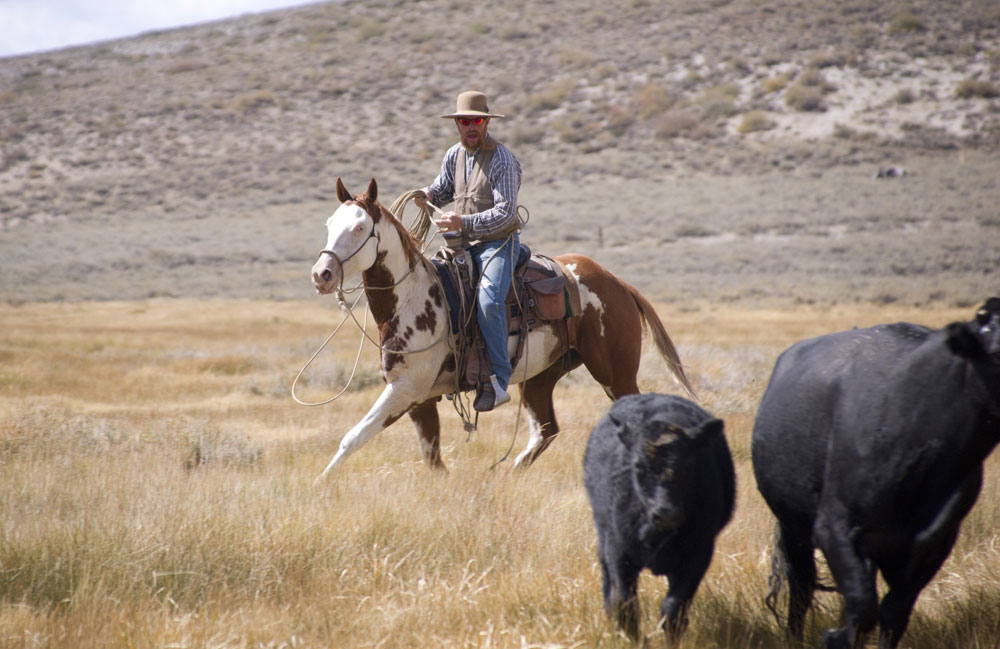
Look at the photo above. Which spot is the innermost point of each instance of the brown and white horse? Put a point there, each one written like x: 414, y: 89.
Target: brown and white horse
x: 408, y: 306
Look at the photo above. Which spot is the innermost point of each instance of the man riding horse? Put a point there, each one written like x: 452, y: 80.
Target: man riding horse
x: 482, y: 177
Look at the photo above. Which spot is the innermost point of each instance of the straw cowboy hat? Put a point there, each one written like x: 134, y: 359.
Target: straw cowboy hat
x: 471, y: 103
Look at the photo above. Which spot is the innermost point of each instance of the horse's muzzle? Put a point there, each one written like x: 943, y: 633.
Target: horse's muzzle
x: 326, y: 273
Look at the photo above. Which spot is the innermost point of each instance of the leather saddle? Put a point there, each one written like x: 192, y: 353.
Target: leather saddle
x: 542, y: 291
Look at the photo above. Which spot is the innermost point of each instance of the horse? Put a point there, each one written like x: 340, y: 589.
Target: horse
x: 418, y: 364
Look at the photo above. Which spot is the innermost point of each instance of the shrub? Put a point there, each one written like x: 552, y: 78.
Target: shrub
x: 904, y: 96
x: 619, y: 119
x: 370, y: 29
x: 826, y: 60
x: 253, y: 100
x: 674, y: 123
x: 575, y: 128
x: 479, y: 28
x: 971, y: 88
x: 754, y: 121
x: 906, y: 22
x: 774, y: 84
x: 814, y: 78
x: 719, y: 101
x: 513, y: 32
x: 554, y: 96
x: 185, y: 65
x: 574, y: 57
x: 652, y: 99
x: 526, y: 134
x: 804, y: 98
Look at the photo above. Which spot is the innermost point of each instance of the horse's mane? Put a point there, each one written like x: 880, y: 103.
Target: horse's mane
x: 411, y: 246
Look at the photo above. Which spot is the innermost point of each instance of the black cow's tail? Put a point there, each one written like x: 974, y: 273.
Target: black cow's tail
x: 779, y: 573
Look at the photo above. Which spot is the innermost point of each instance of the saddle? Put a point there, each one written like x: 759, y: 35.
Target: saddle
x: 542, y: 291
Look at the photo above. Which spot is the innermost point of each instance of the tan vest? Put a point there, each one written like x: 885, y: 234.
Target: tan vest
x: 476, y: 195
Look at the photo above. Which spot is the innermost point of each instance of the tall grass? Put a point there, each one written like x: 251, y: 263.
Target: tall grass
x: 152, y: 495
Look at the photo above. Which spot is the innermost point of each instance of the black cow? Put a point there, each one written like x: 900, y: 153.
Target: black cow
x: 660, y: 481
x: 869, y: 444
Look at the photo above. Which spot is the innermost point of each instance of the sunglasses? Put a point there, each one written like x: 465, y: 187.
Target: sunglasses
x: 465, y: 121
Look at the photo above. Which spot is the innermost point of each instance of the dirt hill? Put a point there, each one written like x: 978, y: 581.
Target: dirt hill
x: 704, y: 150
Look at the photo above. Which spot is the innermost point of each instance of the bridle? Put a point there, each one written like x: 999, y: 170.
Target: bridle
x: 372, y: 234
x: 340, y: 262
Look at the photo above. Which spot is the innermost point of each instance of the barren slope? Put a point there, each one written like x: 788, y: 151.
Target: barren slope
x: 703, y: 150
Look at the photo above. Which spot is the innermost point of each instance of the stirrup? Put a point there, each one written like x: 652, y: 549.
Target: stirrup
x: 490, y: 396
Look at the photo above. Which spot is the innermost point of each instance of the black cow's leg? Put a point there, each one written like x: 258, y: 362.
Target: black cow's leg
x: 855, y: 577
x: 801, y: 574
x: 905, y: 583
x: 916, y: 567
x: 621, y: 598
x: 894, y: 615
x: 684, y: 581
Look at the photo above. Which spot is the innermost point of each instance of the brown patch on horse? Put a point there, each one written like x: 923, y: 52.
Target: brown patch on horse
x: 381, y: 301
x: 427, y: 321
x: 435, y: 294
x: 388, y: 335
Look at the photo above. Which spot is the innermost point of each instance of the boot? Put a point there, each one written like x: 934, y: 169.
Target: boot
x: 490, y: 396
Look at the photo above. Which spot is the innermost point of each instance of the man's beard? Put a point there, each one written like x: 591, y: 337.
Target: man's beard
x: 472, y: 147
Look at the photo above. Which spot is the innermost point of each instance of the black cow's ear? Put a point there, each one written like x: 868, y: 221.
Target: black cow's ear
x: 612, y: 420
x: 963, y: 342
x: 707, y: 431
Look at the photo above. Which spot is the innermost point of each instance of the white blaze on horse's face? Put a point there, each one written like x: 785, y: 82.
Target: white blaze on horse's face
x: 351, y: 247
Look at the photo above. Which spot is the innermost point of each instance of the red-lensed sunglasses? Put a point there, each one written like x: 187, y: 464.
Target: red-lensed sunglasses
x: 465, y: 121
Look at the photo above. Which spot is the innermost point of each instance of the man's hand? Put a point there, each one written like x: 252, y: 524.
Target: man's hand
x: 449, y: 222
x: 420, y: 199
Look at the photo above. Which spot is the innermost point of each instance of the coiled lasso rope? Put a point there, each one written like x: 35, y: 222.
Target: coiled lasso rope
x: 418, y: 229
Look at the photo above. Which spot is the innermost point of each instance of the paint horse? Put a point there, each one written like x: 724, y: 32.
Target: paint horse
x: 418, y: 364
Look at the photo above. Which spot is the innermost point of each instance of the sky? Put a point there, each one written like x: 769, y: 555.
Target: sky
x: 38, y: 25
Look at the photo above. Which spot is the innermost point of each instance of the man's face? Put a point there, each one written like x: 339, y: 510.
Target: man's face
x: 472, y: 131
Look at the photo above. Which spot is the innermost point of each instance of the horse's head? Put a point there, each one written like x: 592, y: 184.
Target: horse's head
x: 351, y: 245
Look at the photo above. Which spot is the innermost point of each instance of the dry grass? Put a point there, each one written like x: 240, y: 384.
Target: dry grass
x: 157, y: 492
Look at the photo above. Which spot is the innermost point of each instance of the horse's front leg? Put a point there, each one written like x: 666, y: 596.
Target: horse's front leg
x: 392, y: 404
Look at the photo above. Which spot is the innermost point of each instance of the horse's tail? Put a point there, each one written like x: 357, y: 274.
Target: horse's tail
x: 661, y: 339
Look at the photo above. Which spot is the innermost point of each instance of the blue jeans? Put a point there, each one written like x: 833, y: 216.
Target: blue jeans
x: 491, y: 311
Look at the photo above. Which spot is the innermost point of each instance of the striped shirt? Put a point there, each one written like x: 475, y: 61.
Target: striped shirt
x: 504, y: 175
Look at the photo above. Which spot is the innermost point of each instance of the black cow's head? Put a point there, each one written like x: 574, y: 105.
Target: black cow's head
x: 979, y: 339
x: 662, y: 469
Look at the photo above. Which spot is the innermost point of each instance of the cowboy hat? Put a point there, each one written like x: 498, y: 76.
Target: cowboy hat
x: 471, y: 103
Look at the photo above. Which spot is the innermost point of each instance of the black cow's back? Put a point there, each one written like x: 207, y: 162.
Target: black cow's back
x: 815, y: 383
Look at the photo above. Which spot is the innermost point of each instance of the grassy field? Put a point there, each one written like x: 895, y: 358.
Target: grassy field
x: 157, y: 491
x: 162, y: 199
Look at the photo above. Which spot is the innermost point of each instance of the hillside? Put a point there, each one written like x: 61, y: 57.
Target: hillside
x: 719, y: 150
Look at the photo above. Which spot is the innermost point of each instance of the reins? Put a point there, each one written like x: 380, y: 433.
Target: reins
x: 357, y: 359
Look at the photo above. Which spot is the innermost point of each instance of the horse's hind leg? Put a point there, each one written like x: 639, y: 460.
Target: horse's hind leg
x: 425, y: 420
x: 536, y: 394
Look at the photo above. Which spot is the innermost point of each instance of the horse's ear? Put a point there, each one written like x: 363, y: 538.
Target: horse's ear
x: 372, y: 191
x: 342, y: 192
